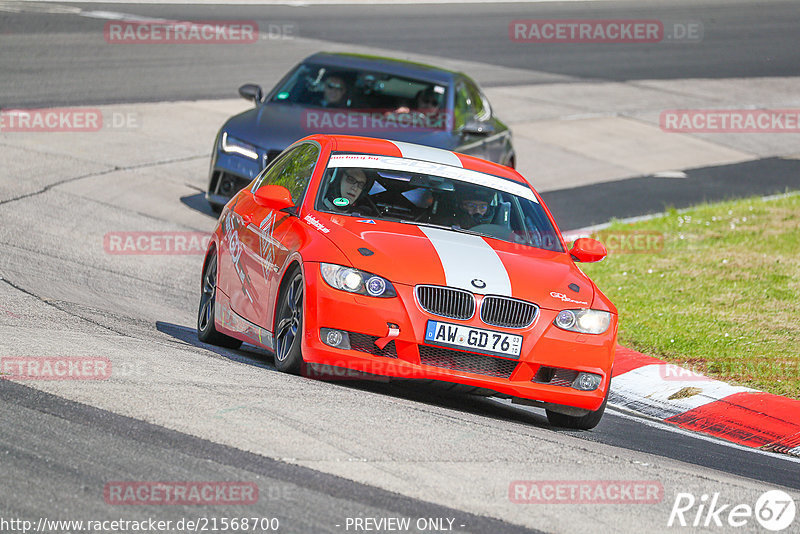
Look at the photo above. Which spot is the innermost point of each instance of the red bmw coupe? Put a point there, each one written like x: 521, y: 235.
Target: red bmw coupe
x: 407, y: 261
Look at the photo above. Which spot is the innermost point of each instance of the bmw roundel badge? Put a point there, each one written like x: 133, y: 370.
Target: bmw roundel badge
x: 480, y: 284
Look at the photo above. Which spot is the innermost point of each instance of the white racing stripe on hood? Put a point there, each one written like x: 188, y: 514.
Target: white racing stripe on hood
x: 467, y: 257
x: 426, y: 153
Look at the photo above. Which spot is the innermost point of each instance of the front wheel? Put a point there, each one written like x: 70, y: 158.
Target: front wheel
x: 584, y: 422
x: 289, y: 325
x: 206, y: 331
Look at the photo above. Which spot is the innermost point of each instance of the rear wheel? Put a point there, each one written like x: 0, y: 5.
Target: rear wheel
x: 584, y: 422
x: 206, y: 331
x: 289, y: 325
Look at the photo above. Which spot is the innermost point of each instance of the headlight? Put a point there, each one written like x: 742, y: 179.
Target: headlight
x: 583, y: 321
x: 232, y: 145
x: 355, y: 281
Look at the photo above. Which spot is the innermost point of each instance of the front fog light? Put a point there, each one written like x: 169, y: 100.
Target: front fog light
x: 565, y: 319
x: 376, y: 286
x: 586, y: 382
x: 335, y: 338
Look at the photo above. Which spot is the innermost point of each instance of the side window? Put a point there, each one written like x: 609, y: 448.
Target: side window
x: 464, y: 106
x: 293, y: 171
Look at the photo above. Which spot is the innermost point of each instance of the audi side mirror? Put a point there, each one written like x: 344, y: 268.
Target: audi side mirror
x: 251, y: 91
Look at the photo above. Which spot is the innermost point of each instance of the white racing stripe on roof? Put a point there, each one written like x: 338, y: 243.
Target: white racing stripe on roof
x: 427, y: 153
x: 366, y: 161
x: 466, y: 257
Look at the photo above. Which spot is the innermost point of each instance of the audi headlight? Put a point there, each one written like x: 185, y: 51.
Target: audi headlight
x: 355, y: 281
x: 232, y: 145
x: 583, y: 321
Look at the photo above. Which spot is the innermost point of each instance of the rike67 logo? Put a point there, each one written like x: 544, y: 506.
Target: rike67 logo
x: 774, y: 510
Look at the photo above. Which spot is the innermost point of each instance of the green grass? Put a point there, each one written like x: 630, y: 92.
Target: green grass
x: 723, y: 295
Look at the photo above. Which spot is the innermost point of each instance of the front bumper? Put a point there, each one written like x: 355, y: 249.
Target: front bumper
x: 408, y: 356
x: 230, y: 173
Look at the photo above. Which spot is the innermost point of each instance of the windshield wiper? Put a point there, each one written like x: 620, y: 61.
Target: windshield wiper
x: 457, y: 228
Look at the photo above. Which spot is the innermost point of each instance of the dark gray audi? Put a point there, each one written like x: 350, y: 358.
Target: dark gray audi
x: 357, y: 95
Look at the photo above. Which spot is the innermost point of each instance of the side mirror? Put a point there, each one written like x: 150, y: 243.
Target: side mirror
x: 587, y: 250
x: 274, y: 197
x: 251, y: 91
x: 476, y: 127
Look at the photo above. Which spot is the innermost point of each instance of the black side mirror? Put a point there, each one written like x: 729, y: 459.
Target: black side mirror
x: 251, y: 91
x: 476, y: 127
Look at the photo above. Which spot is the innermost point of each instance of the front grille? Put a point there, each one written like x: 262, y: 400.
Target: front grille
x: 446, y: 301
x: 466, y: 361
x: 365, y: 343
x: 555, y: 376
x: 508, y: 312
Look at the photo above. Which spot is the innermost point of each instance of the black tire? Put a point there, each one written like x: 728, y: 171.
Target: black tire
x: 584, y: 422
x: 206, y: 331
x: 289, y: 324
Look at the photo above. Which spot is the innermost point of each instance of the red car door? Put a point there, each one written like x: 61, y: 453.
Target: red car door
x: 236, y: 257
x: 263, y: 232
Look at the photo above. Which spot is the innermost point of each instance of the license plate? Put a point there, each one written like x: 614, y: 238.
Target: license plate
x: 473, y: 339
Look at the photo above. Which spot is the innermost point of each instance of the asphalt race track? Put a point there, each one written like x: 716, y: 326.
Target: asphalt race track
x: 324, y: 453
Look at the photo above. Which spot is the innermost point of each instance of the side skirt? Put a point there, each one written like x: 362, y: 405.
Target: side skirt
x: 230, y: 323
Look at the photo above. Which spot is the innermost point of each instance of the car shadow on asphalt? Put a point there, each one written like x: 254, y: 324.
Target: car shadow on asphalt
x: 199, y: 203
x: 435, y: 393
x: 248, y: 354
x: 431, y: 393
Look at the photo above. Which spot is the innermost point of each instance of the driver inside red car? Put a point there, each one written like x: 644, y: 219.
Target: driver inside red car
x: 474, y: 208
x: 349, y: 186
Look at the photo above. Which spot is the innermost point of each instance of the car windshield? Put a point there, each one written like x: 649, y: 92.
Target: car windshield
x: 425, y: 193
x: 325, y: 86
